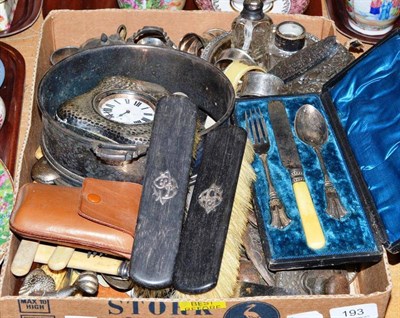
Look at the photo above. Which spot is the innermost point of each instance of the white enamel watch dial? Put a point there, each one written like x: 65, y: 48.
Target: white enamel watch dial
x: 125, y: 108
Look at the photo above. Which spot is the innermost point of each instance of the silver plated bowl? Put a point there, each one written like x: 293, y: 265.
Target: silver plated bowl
x: 76, y: 156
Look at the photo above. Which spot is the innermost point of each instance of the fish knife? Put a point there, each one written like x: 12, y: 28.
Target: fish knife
x: 290, y: 159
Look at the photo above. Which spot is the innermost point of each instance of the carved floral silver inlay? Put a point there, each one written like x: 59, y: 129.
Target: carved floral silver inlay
x: 210, y: 198
x: 165, y: 187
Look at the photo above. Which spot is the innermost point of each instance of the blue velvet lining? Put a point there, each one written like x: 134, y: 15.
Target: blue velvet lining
x: 346, y: 239
x: 368, y: 105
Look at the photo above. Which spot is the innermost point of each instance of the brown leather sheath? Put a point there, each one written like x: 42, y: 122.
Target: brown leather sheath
x: 100, y: 216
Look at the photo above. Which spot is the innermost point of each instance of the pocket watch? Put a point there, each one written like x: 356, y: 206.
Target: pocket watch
x: 125, y: 107
x: 119, y: 109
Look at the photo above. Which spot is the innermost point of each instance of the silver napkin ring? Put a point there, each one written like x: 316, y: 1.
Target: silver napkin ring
x: 260, y: 84
x: 192, y: 43
x: 229, y: 55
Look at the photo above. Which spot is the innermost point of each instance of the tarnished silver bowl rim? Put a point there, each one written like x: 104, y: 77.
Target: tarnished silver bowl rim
x: 201, y: 96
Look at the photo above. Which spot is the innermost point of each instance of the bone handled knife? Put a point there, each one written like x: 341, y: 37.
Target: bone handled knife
x: 290, y: 159
x: 60, y: 257
x: 30, y: 252
x: 24, y: 257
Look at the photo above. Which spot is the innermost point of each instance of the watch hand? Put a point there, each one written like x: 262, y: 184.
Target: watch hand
x: 126, y: 112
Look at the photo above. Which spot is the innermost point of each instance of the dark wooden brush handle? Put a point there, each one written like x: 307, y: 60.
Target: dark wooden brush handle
x: 205, y: 228
x: 164, y: 193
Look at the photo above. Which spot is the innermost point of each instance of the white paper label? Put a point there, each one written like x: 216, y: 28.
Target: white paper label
x: 357, y: 311
x: 310, y: 314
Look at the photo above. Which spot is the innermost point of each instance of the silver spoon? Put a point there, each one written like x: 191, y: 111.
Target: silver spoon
x: 312, y: 129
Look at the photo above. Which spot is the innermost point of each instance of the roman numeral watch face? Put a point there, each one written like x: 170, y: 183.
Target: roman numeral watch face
x: 125, y: 107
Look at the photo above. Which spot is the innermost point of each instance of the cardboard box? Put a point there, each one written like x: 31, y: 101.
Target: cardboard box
x: 370, y: 291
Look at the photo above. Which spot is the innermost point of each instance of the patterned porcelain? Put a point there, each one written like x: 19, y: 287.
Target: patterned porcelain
x: 2, y: 112
x: 6, y: 206
x: 152, y: 4
x: 204, y: 5
x: 7, y: 10
x: 299, y: 6
x: 372, y: 17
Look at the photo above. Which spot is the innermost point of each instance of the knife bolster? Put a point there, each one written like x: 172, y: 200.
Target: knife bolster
x: 296, y: 175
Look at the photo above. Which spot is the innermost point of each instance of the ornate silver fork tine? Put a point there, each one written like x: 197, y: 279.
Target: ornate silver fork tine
x: 257, y: 131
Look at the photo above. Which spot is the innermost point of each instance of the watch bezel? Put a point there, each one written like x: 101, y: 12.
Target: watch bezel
x: 145, y: 98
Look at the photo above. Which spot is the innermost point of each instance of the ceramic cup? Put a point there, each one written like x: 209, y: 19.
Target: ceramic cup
x: 152, y: 4
x: 372, y: 17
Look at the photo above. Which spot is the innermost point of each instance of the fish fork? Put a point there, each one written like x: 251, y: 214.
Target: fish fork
x: 257, y: 131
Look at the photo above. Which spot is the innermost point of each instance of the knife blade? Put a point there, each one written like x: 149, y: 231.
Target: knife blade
x: 291, y: 161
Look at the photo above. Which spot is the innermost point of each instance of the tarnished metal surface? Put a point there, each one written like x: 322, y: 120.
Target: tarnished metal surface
x: 312, y: 129
x: 284, y: 137
x: 75, y: 155
x: 306, y: 71
x: 314, y: 282
x: 305, y: 59
x: 313, y: 80
x: 79, y: 113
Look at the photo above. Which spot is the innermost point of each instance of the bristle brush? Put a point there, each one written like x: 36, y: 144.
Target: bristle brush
x: 227, y: 284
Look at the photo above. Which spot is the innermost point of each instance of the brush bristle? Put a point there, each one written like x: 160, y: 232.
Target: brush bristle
x: 227, y: 282
x: 141, y: 292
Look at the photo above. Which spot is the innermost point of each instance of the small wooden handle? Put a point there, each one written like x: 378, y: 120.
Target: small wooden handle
x: 312, y: 227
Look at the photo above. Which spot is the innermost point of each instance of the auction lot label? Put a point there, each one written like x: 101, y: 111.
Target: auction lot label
x: 357, y: 311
